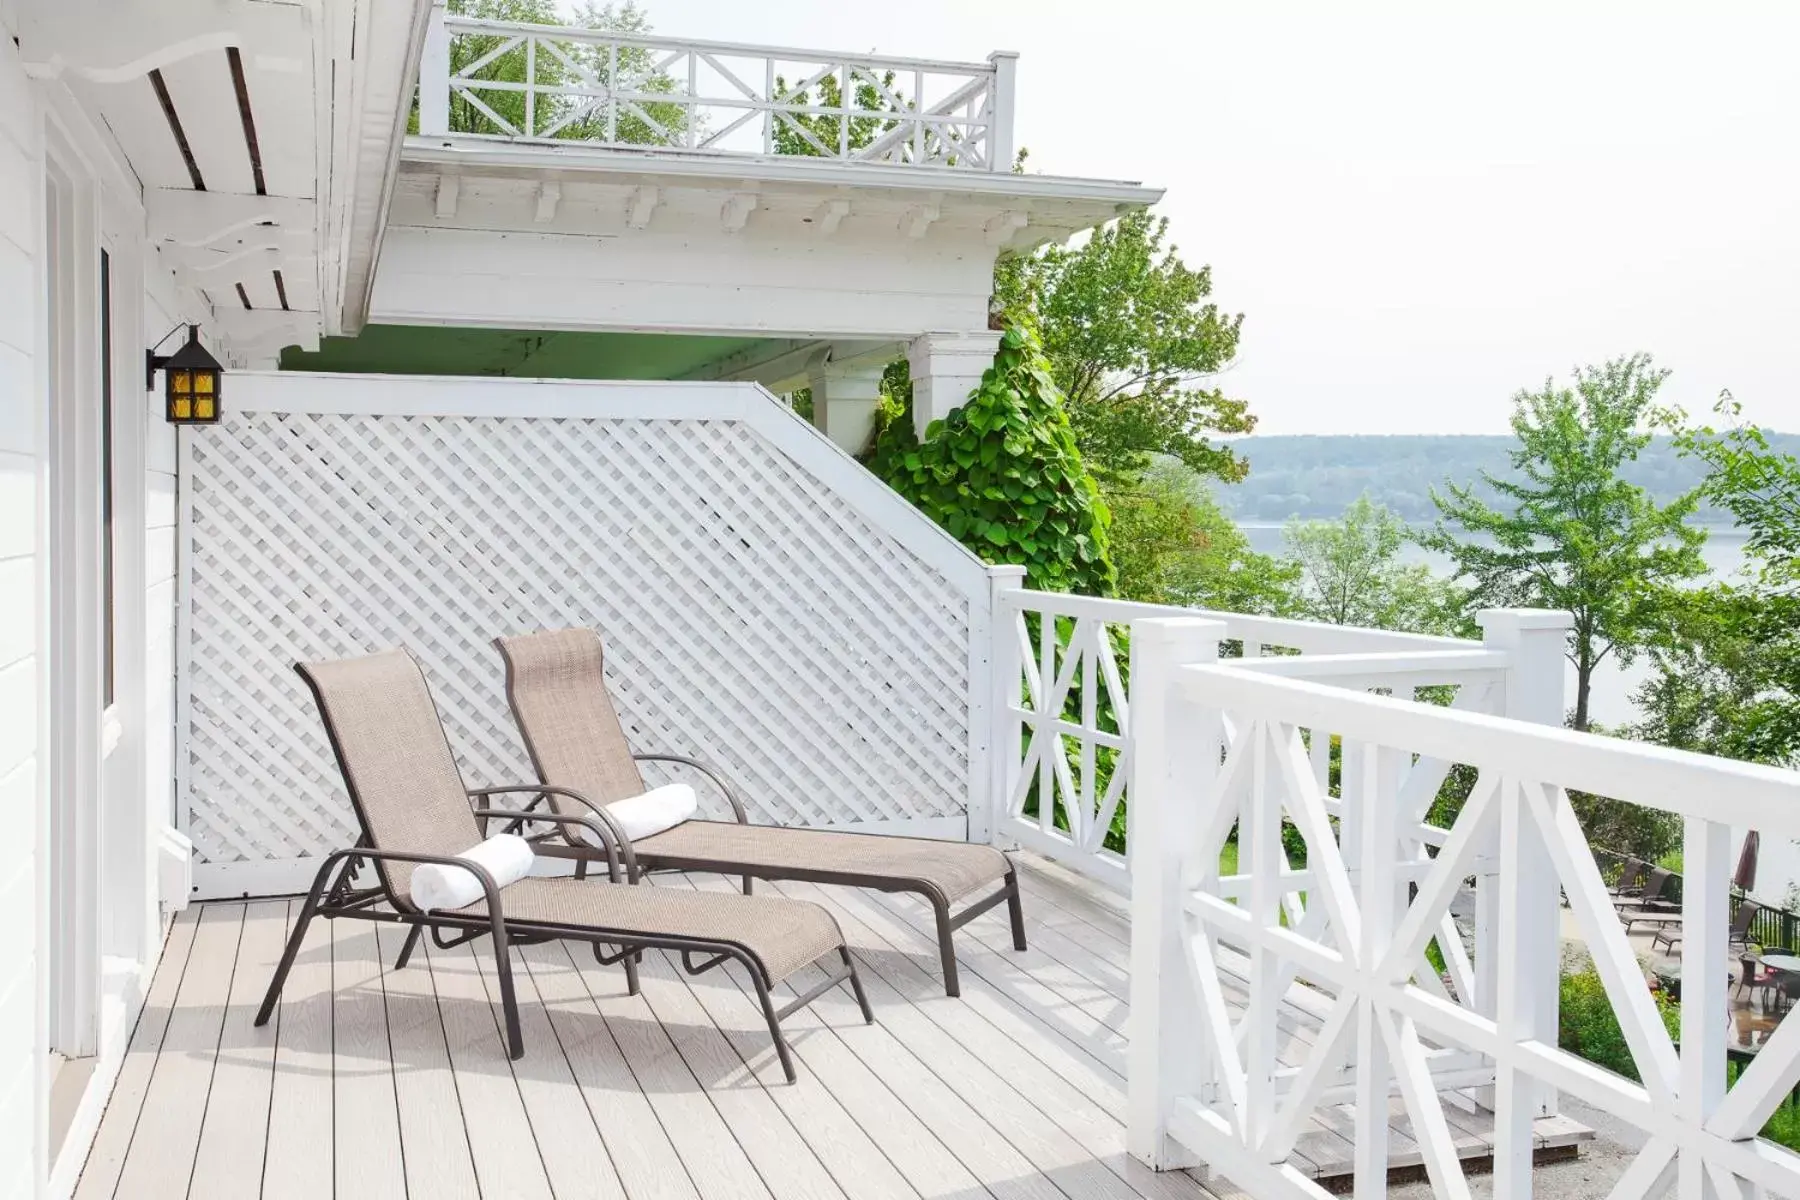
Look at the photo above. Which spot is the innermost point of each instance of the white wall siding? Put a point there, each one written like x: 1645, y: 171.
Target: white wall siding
x: 160, y: 565
x: 21, y: 444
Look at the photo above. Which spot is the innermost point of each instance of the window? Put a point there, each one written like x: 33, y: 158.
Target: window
x: 107, y: 649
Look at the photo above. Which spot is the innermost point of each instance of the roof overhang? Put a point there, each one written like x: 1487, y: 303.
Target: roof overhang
x: 1049, y: 207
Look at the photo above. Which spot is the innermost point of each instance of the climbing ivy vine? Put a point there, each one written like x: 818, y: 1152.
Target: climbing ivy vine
x: 1002, y: 475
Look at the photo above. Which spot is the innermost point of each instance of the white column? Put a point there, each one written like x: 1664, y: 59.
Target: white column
x: 1516, y: 971
x: 1007, y: 682
x: 844, y: 402
x: 945, y: 368
x: 1000, y: 112
x: 1175, y: 750
x: 434, y: 74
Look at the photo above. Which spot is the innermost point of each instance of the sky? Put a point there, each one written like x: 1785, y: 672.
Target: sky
x: 1420, y: 208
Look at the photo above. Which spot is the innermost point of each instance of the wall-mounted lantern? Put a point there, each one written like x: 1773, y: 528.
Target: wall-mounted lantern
x: 191, y: 381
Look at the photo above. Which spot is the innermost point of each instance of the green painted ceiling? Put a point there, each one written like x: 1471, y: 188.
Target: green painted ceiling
x: 526, y: 353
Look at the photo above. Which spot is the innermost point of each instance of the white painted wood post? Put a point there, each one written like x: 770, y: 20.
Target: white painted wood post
x: 844, y: 401
x: 1530, y: 958
x: 1174, y: 759
x: 945, y: 368
x: 1000, y: 111
x: 1005, y: 680
x: 434, y: 75
x: 1705, y: 1004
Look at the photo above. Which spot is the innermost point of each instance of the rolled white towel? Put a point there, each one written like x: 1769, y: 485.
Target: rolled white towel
x: 654, y: 811
x: 506, y: 856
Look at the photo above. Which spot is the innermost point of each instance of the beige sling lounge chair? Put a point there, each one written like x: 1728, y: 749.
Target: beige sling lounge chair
x: 560, y: 701
x: 413, y: 809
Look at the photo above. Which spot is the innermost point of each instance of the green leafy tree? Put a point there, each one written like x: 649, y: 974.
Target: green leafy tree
x: 1728, y: 681
x: 1570, y: 532
x: 1002, y: 474
x: 1173, y: 544
x: 1350, y: 572
x: 1132, y: 338
x: 573, y: 118
x: 819, y: 135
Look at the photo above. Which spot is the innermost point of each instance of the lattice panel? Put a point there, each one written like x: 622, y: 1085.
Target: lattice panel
x: 752, y: 617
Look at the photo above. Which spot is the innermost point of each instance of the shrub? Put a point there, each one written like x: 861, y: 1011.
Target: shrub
x: 1588, y: 1026
x: 1003, y: 476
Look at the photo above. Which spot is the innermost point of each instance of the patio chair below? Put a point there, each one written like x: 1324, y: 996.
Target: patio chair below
x: 557, y: 690
x: 413, y: 809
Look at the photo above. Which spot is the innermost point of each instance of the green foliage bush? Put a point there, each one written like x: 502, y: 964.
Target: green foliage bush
x: 1588, y: 1026
x: 1003, y: 476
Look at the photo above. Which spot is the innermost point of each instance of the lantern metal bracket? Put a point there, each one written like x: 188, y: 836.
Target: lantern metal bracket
x: 154, y: 362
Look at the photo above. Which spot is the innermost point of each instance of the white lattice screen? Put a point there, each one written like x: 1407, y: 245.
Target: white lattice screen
x: 766, y: 604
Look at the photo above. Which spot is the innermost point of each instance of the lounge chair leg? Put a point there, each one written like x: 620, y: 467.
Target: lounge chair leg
x: 581, y: 868
x: 747, y: 882
x: 946, y: 949
x: 862, y: 999
x: 631, y: 973
x: 509, y: 1002
x: 412, y: 943
x: 768, y: 1007
x: 1015, y: 908
x: 307, y: 911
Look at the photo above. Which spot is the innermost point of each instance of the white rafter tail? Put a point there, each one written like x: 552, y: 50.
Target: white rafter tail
x: 449, y: 187
x: 111, y: 43
x: 917, y: 219
x: 736, y: 211
x: 1001, y: 227
x: 191, y: 218
x: 549, y: 195
x: 829, y: 215
x: 641, y: 205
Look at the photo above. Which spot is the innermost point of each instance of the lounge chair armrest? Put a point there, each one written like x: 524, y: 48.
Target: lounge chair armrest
x: 490, y: 890
x: 588, y: 823
x: 601, y: 823
x: 712, y: 773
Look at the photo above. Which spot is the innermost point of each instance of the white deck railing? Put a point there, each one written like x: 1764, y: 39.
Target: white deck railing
x: 1063, y: 679
x: 560, y: 85
x: 1218, y: 747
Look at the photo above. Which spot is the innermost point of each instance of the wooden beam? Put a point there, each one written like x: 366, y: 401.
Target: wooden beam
x: 737, y: 210
x: 448, y: 187
x: 1001, y: 227
x: 548, y: 195
x: 640, y: 205
x: 917, y: 219
x: 107, y: 42
x: 203, y: 218
x: 829, y: 215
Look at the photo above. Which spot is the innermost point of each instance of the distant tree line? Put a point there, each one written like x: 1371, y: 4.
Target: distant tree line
x: 1318, y: 477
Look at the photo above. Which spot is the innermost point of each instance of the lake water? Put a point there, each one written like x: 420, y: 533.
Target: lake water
x: 1613, y: 684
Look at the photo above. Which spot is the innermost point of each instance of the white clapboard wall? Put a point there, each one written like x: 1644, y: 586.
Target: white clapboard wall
x: 767, y: 604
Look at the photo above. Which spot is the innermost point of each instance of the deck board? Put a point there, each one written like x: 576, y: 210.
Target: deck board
x: 375, y: 1082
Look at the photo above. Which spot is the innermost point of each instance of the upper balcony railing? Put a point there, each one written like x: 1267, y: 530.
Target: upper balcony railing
x: 562, y: 85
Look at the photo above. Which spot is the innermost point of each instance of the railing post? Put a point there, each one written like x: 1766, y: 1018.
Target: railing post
x: 1000, y: 111
x: 1535, y: 641
x: 1174, y: 758
x: 1004, y: 681
x: 434, y: 74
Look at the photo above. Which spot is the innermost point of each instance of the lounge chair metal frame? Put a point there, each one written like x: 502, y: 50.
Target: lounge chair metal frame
x: 333, y: 895
x: 639, y: 861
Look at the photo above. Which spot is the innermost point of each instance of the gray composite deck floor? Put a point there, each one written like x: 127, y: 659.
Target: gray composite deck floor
x: 375, y: 1083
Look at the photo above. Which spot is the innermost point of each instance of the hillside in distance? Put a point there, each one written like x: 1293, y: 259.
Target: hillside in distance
x: 1318, y: 476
